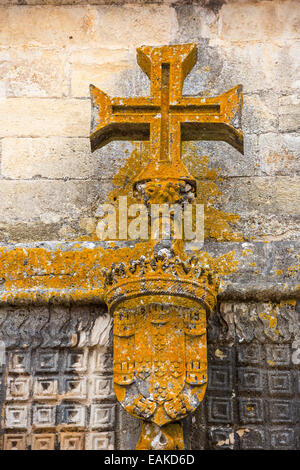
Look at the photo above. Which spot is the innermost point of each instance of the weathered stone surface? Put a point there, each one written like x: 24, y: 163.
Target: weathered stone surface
x: 265, y: 271
x: 259, y: 21
x: 101, y: 66
x: 87, y: 25
x: 34, y: 117
x: 34, y: 72
x: 195, y: 22
x: 260, y: 113
x: 48, y: 201
x: 279, y: 154
x: 60, y: 158
x: 289, y: 113
x: 51, y: 327
x: 289, y: 66
x: 256, y: 66
x: 224, y: 158
x: 50, y: 53
x: 267, y: 210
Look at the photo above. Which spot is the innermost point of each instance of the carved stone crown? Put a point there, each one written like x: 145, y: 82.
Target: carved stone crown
x: 161, y: 275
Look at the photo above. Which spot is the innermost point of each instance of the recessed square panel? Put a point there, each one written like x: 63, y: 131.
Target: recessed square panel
x: 282, y: 438
x: 280, y: 382
x: 220, y: 410
x: 43, y: 441
x: 18, y: 388
x: 250, y: 379
x: 47, y: 361
x: 100, y: 441
x: 252, y: 438
x: 76, y: 361
x: 219, y: 354
x: 44, y: 415
x: 71, y: 441
x: 14, y: 442
x: 102, y: 361
x: 45, y: 388
x: 221, y: 438
x: 16, y: 416
x: 251, y: 410
x: 102, y: 416
x: 250, y: 353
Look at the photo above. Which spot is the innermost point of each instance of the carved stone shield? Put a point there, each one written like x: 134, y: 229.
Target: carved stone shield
x: 160, y: 357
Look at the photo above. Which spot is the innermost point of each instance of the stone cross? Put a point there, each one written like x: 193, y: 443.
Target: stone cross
x: 165, y: 118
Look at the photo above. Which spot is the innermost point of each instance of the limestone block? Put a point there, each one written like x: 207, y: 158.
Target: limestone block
x: 268, y: 207
x: 252, y: 21
x: 85, y: 26
x: 34, y: 117
x: 34, y: 72
x: 101, y: 67
x: 223, y: 157
x: 260, y: 113
x: 195, y: 23
x: 266, y: 194
x: 279, y: 154
x: 255, y: 65
x: 60, y: 157
x: 53, y: 157
x: 289, y: 113
x: 49, y: 201
x: 289, y: 71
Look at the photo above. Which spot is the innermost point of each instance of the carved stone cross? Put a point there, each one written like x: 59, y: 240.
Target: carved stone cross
x: 165, y: 118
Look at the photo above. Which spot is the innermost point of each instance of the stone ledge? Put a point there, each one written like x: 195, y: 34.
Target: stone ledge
x: 70, y: 272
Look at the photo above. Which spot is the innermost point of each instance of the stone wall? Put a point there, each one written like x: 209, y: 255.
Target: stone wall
x: 57, y: 390
x: 56, y: 375
x: 51, y: 51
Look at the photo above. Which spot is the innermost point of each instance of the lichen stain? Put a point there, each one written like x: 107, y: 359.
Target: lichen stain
x: 217, y: 224
x: 269, y: 317
x: 39, y: 274
x: 294, y: 269
x: 285, y: 158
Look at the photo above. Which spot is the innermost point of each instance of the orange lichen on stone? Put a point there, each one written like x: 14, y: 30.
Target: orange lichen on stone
x: 247, y: 252
x: 269, y: 315
x: 72, y: 274
x: 217, y: 224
